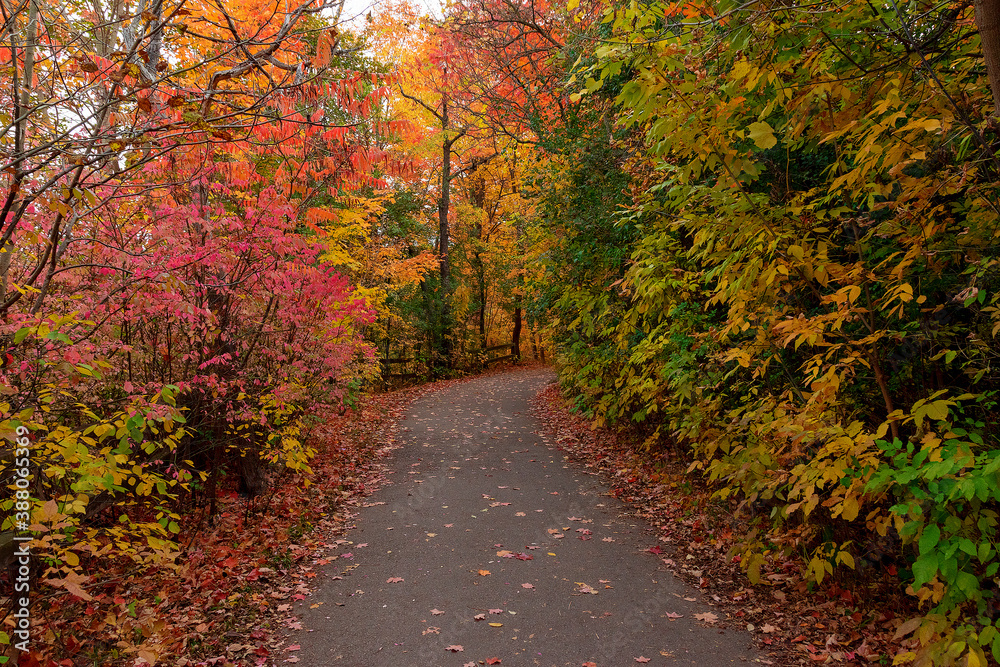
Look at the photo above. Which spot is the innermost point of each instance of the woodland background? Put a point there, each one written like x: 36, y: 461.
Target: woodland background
x: 762, y: 235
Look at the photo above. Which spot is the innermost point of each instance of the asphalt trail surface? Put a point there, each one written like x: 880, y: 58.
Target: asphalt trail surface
x: 483, y: 520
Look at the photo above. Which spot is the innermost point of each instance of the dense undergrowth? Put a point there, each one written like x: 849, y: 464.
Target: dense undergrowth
x: 793, y: 282
x: 224, y: 596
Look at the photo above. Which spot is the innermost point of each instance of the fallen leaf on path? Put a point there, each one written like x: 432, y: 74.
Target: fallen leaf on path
x: 707, y: 617
x: 293, y: 647
x: 655, y: 550
x: 393, y: 580
x: 449, y: 525
x: 520, y: 514
x: 505, y: 554
x: 484, y: 573
x: 590, y: 664
x: 496, y: 611
x: 431, y: 630
x: 526, y: 586
x: 607, y: 539
x: 673, y: 615
x: 493, y: 661
x: 496, y: 625
x: 768, y: 628
x: 454, y: 648
x: 479, y: 617
x: 585, y: 588
x: 642, y: 659
x: 436, y: 612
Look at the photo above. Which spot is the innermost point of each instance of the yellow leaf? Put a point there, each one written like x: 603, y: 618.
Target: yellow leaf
x: 762, y: 135
x: 849, y: 510
x: 496, y: 625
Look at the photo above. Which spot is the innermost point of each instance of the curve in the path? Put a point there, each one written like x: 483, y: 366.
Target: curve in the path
x: 484, y: 521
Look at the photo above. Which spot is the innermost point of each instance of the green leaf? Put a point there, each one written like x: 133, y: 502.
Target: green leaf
x: 924, y: 569
x: 968, y: 584
x: 21, y: 334
x: 930, y: 538
x: 762, y: 135
x: 966, y: 545
x: 59, y: 336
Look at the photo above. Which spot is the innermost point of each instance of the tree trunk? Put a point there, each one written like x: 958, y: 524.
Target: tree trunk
x: 516, y: 336
x: 988, y: 22
x: 253, y: 480
x: 443, y: 232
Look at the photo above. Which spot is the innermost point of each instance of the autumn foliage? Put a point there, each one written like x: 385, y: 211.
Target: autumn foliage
x: 761, y: 236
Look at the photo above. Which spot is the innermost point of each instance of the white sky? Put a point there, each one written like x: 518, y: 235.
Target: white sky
x: 358, y: 8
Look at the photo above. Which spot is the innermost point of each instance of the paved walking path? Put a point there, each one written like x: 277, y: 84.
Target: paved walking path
x: 490, y: 541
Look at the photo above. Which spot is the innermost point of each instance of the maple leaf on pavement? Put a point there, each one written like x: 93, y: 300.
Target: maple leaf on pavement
x: 493, y: 661
x: 393, y: 580
x: 642, y: 659
x: 454, y: 648
x: 436, y: 612
x: 707, y: 617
